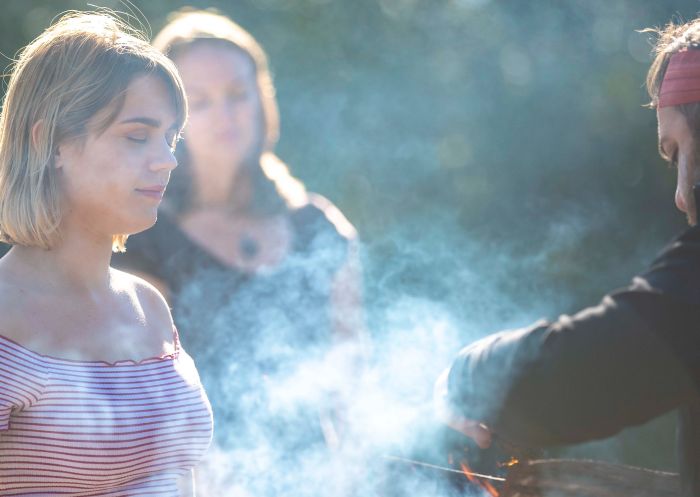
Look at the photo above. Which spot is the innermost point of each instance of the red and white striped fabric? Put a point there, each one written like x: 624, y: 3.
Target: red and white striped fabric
x: 79, y: 429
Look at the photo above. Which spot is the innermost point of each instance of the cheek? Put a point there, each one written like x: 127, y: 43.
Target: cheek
x: 687, y: 175
x: 694, y: 174
x: 259, y: 115
x: 197, y: 130
x: 680, y: 199
x: 87, y: 194
x: 249, y: 110
x: 253, y: 122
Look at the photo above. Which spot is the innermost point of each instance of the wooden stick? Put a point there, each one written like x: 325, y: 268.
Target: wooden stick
x: 442, y: 468
x: 581, y: 478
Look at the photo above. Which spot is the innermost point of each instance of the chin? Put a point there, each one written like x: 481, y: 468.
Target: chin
x: 137, y: 226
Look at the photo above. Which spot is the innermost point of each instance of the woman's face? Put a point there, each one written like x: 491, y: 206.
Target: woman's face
x: 113, y: 182
x: 225, y: 126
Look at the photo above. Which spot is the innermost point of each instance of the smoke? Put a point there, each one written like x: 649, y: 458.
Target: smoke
x: 374, y: 401
x: 299, y: 413
x: 498, y: 166
x: 302, y: 414
x: 312, y: 421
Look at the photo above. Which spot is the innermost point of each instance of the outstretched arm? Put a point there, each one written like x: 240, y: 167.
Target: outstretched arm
x: 621, y: 363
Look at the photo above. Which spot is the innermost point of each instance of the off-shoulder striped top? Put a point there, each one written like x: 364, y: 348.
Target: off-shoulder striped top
x: 79, y: 429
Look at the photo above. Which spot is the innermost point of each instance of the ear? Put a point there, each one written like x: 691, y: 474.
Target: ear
x: 37, y: 130
x: 36, y: 133
x: 57, y: 162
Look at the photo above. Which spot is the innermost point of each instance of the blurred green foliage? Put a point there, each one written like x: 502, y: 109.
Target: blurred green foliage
x: 494, y: 155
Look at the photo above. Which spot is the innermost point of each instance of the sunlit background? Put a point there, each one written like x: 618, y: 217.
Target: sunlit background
x: 495, y: 156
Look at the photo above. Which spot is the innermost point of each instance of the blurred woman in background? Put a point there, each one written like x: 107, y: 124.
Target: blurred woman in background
x: 262, y: 275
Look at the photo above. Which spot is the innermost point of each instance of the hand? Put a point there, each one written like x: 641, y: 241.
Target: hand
x: 475, y: 430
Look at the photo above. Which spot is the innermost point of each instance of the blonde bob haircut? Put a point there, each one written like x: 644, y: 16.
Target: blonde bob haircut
x: 81, y: 65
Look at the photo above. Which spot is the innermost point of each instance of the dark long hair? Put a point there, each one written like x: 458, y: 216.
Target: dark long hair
x: 258, y: 190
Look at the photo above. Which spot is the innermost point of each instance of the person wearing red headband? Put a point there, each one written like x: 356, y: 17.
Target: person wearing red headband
x: 674, y: 85
x: 633, y: 357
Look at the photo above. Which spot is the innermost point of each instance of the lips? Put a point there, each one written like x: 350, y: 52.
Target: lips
x: 153, y: 191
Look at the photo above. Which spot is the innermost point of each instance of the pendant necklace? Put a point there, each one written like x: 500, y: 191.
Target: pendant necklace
x: 248, y: 246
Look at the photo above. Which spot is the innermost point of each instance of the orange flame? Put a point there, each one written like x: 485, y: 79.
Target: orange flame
x: 509, y: 464
x: 474, y: 479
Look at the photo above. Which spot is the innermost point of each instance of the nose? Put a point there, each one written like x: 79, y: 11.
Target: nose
x: 226, y: 111
x: 680, y: 200
x: 165, y: 159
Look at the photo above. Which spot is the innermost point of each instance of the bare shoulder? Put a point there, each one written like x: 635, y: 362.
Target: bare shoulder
x: 150, y: 302
x: 13, y: 308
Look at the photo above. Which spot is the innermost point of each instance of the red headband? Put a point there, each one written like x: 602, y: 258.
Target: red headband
x: 681, y: 83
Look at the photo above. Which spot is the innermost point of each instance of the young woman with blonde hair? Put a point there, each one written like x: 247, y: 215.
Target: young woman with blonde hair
x: 96, y: 395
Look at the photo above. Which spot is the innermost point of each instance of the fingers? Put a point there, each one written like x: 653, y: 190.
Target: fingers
x: 478, y: 432
x: 475, y: 430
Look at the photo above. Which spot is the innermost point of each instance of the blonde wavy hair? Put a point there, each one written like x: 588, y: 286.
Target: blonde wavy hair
x: 82, y: 64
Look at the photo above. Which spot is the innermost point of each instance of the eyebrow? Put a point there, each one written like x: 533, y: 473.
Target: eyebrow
x: 237, y: 84
x: 148, y: 121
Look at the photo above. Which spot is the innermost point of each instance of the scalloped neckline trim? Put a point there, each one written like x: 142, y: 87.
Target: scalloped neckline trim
x: 123, y: 362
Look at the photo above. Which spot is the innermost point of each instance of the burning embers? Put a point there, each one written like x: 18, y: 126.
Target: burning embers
x: 455, y: 477
x: 455, y: 463
x: 487, y: 482
x: 479, y: 479
x: 554, y: 478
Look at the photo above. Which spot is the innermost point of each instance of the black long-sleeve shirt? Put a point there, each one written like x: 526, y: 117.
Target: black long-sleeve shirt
x: 631, y: 358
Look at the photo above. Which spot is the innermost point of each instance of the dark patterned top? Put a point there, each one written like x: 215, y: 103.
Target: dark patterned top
x: 248, y: 333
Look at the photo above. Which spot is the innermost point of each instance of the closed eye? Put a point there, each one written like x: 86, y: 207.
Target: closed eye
x: 238, y: 93
x: 173, y: 143
x: 673, y: 160
x: 173, y: 139
x: 199, y: 103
